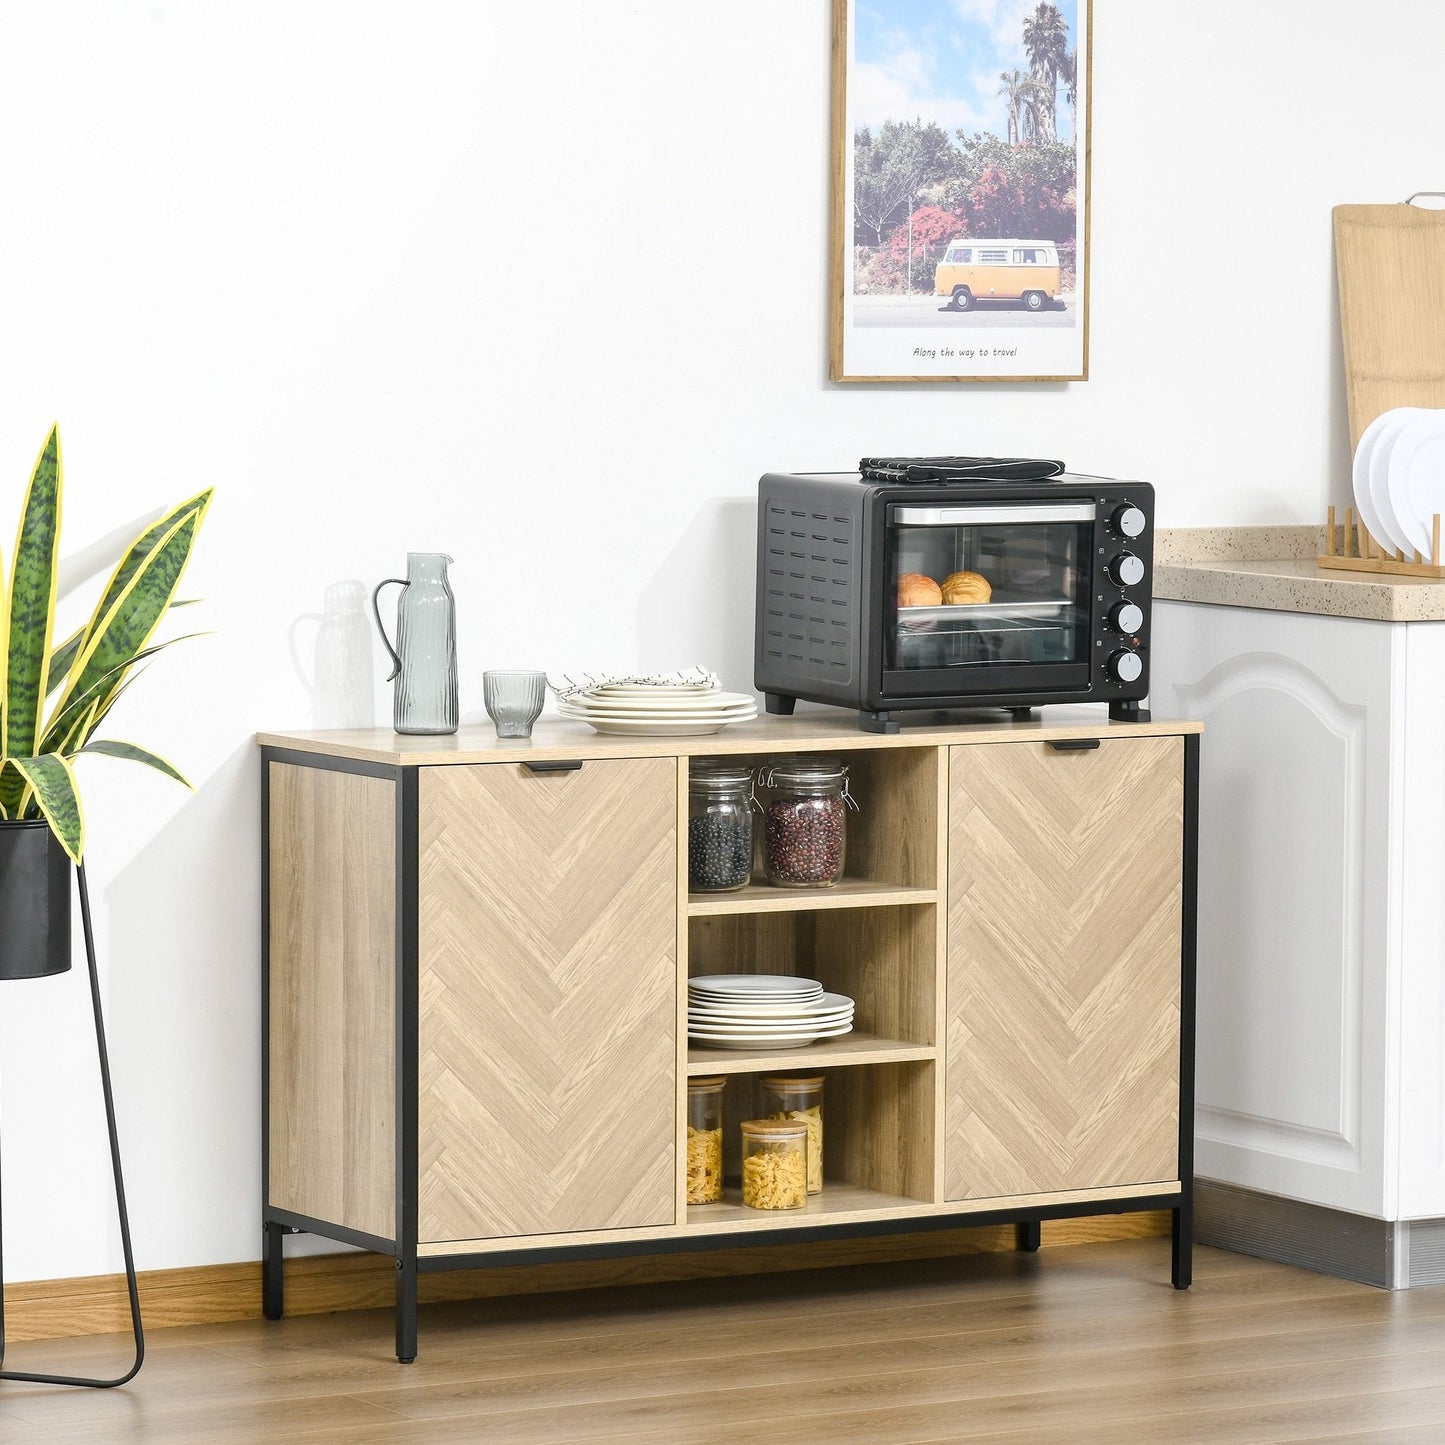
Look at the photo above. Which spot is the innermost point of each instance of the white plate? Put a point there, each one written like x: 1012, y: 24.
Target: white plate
x: 751, y: 984
x: 722, y: 1031
x: 1417, y: 477
x: 1360, y: 474
x: 750, y: 1021
x: 789, y: 1019
x: 661, y: 727
x: 703, y: 702
x: 754, y: 1042
x: 764, y: 1008
x: 709, y: 714
x: 1379, y: 467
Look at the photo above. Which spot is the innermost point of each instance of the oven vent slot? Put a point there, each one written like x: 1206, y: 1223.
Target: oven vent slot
x: 808, y: 597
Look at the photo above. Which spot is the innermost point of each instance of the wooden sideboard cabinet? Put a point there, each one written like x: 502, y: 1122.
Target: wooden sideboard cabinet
x: 475, y: 988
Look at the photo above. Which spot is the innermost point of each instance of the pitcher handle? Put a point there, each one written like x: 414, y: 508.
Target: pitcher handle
x: 380, y: 627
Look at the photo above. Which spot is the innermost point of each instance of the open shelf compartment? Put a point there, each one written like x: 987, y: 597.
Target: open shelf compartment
x: 878, y: 1142
x: 893, y: 846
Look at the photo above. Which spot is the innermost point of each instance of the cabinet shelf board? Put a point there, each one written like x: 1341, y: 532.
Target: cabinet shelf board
x: 847, y: 893
x: 838, y: 1201
x: 851, y: 1050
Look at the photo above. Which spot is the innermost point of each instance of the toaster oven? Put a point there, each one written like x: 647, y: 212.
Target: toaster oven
x: 953, y: 583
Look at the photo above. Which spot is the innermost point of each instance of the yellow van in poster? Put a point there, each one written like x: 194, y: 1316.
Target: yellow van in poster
x: 999, y: 270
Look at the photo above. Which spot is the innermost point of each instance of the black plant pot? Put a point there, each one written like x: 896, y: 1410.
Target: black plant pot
x: 34, y: 901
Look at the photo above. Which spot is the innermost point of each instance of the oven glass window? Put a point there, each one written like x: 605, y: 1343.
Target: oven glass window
x: 989, y: 586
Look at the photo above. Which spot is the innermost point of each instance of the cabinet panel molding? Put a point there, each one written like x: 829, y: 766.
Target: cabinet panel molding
x: 1281, y: 1004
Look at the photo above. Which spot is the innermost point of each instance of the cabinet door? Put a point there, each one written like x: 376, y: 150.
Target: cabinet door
x: 548, y: 998
x: 1064, y: 917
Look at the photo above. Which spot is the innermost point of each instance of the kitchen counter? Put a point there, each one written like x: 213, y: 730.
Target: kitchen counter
x: 1274, y: 568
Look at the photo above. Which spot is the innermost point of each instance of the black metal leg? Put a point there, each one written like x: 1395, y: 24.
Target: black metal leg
x: 1181, y: 1255
x: 273, y: 1280
x: 1027, y: 1235
x: 130, y: 1279
x: 406, y: 1310
x: 778, y: 704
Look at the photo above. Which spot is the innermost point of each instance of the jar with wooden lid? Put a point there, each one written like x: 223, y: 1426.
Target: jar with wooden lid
x: 775, y: 1164
x: 799, y: 1097
x: 705, y: 1139
x: 805, y: 828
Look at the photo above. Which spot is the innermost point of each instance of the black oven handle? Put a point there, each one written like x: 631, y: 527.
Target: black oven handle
x: 1073, y: 745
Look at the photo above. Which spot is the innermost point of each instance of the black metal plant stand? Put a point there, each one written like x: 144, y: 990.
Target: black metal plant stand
x: 119, y: 1189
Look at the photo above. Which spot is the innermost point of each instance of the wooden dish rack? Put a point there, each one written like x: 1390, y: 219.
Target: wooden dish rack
x: 1362, y: 553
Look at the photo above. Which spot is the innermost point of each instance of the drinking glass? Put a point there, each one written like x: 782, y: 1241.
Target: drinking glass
x: 513, y: 700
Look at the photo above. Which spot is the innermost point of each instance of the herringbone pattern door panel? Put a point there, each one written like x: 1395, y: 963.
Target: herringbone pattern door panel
x: 548, y: 1014
x: 1065, y: 909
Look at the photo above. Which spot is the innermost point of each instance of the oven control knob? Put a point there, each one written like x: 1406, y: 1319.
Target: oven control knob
x: 1125, y: 666
x: 1128, y: 521
x: 1126, y: 618
x: 1126, y: 570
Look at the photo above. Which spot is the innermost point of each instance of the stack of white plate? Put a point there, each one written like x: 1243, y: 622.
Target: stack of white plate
x: 763, y: 1011
x: 637, y: 708
x: 1399, y: 477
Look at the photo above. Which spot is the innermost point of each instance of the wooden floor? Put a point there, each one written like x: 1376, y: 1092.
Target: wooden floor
x: 1079, y: 1344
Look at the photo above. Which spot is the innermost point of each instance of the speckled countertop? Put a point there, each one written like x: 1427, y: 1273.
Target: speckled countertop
x: 1274, y: 568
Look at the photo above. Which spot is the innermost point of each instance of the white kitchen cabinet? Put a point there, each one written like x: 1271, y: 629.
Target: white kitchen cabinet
x: 1321, y: 989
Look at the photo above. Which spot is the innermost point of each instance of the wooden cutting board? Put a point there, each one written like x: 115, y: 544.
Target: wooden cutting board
x: 1391, y: 263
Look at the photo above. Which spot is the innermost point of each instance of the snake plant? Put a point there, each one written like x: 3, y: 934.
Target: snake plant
x: 55, y: 696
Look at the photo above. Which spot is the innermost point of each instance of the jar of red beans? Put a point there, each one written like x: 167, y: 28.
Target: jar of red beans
x: 805, y: 828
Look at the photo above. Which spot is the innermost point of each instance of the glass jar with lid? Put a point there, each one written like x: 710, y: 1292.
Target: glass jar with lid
x: 805, y: 829
x: 720, y: 807
x: 775, y: 1164
x: 704, y: 1139
x: 799, y: 1097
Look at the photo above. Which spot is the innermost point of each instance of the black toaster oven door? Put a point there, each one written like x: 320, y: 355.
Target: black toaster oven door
x: 987, y: 598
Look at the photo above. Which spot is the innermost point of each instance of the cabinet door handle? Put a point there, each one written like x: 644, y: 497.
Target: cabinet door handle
x: 555, y: 765
x: 1073, y: 745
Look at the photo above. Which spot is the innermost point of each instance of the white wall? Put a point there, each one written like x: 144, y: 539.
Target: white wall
x: 309, y: 252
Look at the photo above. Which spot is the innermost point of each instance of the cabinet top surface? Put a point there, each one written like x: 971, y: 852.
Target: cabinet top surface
x: 833, y: 729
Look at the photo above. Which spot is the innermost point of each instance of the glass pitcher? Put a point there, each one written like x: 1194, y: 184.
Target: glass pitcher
x: 425, y: 655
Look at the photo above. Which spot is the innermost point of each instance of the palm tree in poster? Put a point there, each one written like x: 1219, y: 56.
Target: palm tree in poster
x: 1071, y: 84
x: 1013, y: 88
x: 1046, y: 42
x: 1025, y: 98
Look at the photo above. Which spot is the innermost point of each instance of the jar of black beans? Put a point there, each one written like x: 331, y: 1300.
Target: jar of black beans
x: 719, y: 825
x: 805, y: 828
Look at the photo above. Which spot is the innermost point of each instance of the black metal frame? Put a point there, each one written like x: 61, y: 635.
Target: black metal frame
x: 410, y: 1265
x: 130, y: 1279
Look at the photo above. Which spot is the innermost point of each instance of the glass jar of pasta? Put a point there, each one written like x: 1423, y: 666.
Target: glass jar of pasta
x: 704, y: 1139
x: 799, y: 1097
x: 775, y: 1164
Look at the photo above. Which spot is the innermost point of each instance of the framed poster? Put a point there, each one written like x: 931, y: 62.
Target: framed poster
x: 960, y: 191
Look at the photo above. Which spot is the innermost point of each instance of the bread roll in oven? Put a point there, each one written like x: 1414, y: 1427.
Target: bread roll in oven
x: 916, y: 590
x: 960, y: 588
